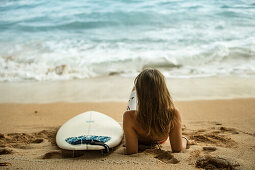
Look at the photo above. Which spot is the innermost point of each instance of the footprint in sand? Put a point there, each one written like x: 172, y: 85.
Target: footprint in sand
x: 209, y: 162
x: 164, y: 156
x: 21, y: 140
x: 217, y: 123
x: 4, y: 151
x: 230, y: 130
x: 52, y: 155
x: 37, y: 141
x: 213, y: 137
x: 209, y: 148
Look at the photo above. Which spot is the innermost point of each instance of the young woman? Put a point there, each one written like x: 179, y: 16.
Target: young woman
x: 155, y: 118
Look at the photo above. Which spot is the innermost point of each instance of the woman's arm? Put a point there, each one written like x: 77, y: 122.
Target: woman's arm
x: 176, y: 141
x: 131, y: 140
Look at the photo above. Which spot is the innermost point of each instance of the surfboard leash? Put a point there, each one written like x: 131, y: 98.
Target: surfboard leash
x: 92, y: 140
x: 106, y: 147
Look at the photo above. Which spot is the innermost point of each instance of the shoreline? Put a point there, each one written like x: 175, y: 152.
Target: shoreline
x: 117, y: 89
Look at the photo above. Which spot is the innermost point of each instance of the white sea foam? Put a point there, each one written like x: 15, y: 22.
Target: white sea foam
x: 50, y: 61
x: 78, y: 40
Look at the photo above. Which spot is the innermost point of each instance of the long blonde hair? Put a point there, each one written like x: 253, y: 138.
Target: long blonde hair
x: 155, y: 106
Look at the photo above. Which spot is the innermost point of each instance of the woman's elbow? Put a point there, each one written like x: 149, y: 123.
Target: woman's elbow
x: 130, y: 152
x: 176, y: 150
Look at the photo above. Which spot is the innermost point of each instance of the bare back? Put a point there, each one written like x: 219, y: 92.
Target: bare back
x: 141, y: 133
x: 134, y: 133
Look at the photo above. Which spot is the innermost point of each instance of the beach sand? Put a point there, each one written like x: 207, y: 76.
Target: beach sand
x: 225, y: 127
x: 223, y: 132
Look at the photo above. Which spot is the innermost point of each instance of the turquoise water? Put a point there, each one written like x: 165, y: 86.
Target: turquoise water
x: 49, y: 40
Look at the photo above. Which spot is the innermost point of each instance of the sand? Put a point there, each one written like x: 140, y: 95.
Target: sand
x: 117, y: 89
x: 222, y: 129
x: 223, y: 132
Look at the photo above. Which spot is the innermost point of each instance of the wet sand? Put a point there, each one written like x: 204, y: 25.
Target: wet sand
x: 117, y: 89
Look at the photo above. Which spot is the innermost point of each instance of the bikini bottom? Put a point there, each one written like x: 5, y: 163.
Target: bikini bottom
x: 163, y: 141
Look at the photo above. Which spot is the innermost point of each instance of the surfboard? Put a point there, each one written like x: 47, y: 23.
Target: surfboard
x: 89, y: 131
x: 132, y: 101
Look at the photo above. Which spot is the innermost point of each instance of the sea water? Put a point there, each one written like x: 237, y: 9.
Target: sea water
x: 77, y: 39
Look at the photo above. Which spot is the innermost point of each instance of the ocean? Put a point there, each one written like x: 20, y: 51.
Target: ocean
x: 79, y: 39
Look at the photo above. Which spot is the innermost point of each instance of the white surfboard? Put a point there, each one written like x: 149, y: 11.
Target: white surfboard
x: 132, y: 101
x: 76, y: 133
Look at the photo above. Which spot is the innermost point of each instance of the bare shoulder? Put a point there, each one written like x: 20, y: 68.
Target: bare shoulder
x: 177, y: 114
x: 129, y: 116
x: 177, y: 120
